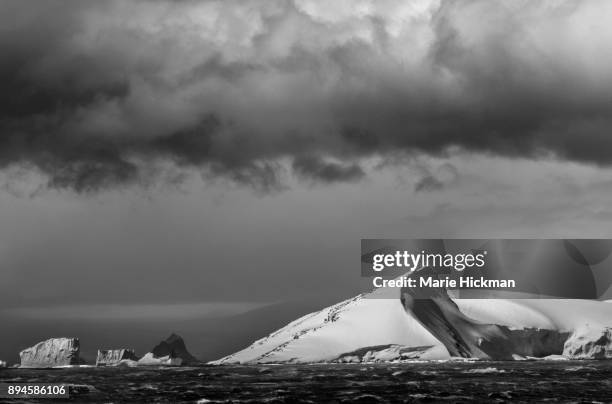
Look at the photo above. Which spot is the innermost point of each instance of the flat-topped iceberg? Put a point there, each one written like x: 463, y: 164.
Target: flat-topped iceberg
x: 54, y: 352
x: 113, y: 357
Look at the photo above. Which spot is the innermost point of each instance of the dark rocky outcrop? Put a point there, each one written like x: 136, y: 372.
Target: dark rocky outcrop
x: 171, y: 352
x: 51, y: 353
x: 113, y: 357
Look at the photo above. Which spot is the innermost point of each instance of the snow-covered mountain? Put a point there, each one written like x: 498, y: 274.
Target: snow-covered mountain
x: 366, y: 328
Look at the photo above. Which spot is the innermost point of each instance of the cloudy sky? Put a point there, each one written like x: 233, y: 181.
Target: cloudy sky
x: 214, y: 156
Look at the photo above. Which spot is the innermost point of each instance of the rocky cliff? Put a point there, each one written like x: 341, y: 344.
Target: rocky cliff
x: 172, y: 352
x: 113, y: 357
x: 51, y: 353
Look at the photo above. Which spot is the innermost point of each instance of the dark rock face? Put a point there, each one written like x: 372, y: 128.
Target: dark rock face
x: 112, y: 357
x: 174, y: 347
x: 51, y: 353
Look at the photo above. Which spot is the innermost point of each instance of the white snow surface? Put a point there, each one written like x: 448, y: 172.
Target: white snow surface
x: 364, y: 321
x: 552, y: 314
x: 341, y: 328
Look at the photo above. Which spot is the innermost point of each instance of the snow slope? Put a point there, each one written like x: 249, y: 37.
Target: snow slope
x: 367, y: 328
x: 344, y: 327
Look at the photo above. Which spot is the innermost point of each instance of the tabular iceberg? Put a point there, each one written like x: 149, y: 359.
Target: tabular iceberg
x: 53, y: 352
x: 113, y: 357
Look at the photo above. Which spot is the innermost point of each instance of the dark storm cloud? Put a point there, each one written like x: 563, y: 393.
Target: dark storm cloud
x: 96, y: 94
x: 316, y: 168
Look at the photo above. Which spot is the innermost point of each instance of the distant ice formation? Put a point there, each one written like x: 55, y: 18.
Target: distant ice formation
x: 112, y: 357
x: 53, y: 352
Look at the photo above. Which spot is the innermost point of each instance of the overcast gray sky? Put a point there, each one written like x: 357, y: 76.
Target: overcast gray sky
x: 218, y: 155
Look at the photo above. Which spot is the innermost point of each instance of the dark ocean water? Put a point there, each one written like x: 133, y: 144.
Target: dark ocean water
x: 453, y: 382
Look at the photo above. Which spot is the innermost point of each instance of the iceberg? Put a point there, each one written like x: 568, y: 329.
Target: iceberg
x: 589, y: 343
x: 151, y: 360
x: 113, y: 357
x: 54, y: 352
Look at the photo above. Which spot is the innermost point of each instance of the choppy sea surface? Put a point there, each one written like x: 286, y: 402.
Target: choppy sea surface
x: 453, y: 382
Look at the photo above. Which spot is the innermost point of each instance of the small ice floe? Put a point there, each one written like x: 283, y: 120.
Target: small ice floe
x: 73, y: 367
x: 485, y: 370
x: 555, y: 358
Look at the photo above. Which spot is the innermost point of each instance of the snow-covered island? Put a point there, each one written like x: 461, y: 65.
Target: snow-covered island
x: 367, y: 328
